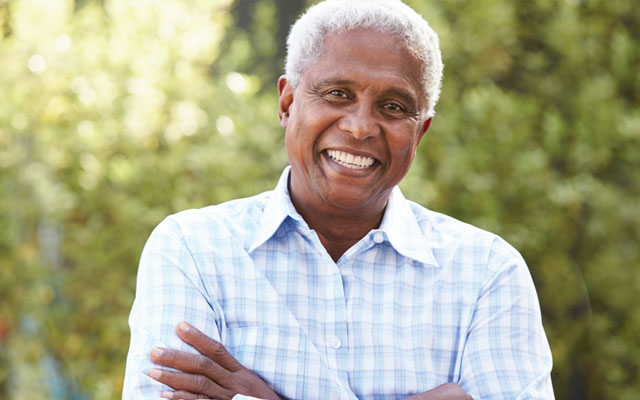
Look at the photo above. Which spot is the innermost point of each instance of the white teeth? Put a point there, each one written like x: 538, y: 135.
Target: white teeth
x: 349, y: 160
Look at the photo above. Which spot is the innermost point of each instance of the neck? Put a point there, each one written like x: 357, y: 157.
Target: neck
x: 339, y: 229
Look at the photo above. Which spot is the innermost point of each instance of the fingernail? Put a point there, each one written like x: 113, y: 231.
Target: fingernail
x: 167, y: 395
x: 184, y: 327
x: 156, y: 352
x: 155, y: 373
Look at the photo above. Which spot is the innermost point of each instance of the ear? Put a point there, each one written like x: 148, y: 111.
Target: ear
x: 424, y: 128
x: 285, y: 100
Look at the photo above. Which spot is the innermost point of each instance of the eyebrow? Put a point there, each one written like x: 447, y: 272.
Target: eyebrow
x: 334, y: 81
x: 403, y: 95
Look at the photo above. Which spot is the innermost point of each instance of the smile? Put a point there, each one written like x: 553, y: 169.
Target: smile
x: 349, y: 160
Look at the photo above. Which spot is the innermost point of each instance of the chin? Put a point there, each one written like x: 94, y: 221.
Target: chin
x: 349, y: 202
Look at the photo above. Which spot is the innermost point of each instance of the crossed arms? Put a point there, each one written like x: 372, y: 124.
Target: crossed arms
x: 216, y: 374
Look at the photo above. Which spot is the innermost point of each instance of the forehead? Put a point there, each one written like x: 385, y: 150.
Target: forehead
x: 367, y: 57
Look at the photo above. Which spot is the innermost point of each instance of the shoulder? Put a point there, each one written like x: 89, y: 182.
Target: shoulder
x: 449, y: 235
x: 234, y: 220
x: 436, y: 225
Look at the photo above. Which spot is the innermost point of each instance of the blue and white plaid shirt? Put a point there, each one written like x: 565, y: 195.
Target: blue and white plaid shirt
x: 421, y: 301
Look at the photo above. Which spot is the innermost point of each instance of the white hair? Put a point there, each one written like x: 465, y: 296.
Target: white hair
x: 305, y: 40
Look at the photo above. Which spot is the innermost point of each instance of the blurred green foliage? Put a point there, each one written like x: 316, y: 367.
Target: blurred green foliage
x: 116, y: 113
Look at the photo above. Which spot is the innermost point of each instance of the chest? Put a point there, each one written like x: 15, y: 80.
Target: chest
x: 373, y: 326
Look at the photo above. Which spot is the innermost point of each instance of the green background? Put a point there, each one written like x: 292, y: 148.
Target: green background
x: 116, y: 113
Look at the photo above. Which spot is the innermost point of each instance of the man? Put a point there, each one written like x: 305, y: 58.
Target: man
x: 333, y: 286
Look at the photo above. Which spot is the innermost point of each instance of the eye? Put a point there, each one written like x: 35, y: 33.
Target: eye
x: 393, y: 107
x: 338, y: 93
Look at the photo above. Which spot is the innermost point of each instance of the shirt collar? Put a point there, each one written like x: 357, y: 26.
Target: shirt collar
x: 398, y: 223
x: 403, y: 232
x: 277, y: 209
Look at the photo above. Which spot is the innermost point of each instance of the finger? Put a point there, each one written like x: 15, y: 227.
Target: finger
x: 207, y: 346
x: 190, y: 383
x: 183, y: 395
x: 189, y: 362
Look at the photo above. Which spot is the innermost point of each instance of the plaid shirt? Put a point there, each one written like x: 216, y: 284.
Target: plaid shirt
x: 421, y: 301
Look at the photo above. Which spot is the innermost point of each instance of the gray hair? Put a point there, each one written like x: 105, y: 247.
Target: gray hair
x: 304, y: 43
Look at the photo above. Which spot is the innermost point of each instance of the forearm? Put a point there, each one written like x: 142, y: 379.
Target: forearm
x: 448, y: 391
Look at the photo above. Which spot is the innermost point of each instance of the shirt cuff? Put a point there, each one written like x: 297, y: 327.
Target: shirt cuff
x: 243, y: 397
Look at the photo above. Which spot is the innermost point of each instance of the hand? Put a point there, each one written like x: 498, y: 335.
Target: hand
x: 448, y: 391
x: 214, y: 373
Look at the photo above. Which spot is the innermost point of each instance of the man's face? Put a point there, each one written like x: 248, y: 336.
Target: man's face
x: 353, y: 122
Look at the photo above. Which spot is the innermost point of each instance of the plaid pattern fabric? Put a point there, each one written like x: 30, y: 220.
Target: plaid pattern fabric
x: 419, y: 302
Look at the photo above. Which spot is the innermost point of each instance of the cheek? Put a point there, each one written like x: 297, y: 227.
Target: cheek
x: 305, y: 129
x: 402, y: 147
x: 298, y: 143
x: 292, y: 146
x: 403, y: 143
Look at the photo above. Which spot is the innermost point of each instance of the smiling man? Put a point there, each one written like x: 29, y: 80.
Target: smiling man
x: 333, y: 285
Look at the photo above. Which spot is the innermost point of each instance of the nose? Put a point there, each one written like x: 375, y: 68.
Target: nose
x: 360, y: 120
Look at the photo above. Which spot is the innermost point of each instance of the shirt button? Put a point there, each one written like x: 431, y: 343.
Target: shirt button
x: 378, y: 237
x: 335, y: 342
